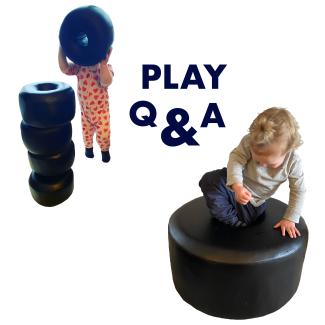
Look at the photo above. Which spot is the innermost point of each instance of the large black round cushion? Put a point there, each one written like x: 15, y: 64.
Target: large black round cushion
x: 46, y: 141
x: 51, y: 190
x: 52, y: 165
x: 47, y: 104
x: 86, y: 34
x: 234, y: 273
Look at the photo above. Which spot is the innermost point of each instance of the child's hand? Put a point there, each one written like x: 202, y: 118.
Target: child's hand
x: 289, y: 227
x: 242, y: 195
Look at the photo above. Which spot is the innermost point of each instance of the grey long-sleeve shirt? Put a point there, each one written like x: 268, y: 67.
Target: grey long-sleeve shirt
x: 262, y: 182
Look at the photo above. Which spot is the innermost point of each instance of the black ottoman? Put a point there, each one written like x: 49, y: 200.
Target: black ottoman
x: 234, y: 273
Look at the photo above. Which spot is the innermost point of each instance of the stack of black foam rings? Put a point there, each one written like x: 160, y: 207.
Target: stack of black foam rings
x: 47, y: 110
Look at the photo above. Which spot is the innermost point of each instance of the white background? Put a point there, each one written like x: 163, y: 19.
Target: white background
x: 102, y: 256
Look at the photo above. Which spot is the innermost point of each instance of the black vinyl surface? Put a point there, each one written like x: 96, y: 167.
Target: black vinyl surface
x: 47, y: 109
x: 51, y: 190
x: 46, y: 141
x: 52, y: 165
x: 47, y: 104
x: 230, y: 272
x: 86, y: 35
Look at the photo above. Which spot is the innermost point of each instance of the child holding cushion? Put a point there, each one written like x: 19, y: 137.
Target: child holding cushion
x: 93, y: 82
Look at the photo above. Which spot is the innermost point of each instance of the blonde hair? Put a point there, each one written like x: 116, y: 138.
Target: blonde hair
x: 275, y: 125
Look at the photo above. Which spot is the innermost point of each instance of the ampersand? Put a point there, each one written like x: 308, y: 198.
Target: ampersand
x: 177, y: 126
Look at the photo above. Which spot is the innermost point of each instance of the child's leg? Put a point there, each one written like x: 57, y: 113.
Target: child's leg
x: 220, y: 200
x: 103, y: 130
x: 222, y: 203
x: 87, y: 131
x: 249, y: 214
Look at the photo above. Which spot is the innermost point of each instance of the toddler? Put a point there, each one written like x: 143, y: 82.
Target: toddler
x: 264, y: 159
x: 93, y: 98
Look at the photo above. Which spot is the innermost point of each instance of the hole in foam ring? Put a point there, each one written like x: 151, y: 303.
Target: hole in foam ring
x: 46, y: 86
x: 82, y: 39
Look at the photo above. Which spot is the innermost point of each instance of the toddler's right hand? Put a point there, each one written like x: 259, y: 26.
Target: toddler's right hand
x: 242, y: 195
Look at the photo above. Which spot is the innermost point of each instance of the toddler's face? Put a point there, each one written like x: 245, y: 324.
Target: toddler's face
x: 271, y: 156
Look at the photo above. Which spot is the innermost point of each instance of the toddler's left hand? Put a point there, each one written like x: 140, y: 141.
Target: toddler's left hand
x: 289, y: 227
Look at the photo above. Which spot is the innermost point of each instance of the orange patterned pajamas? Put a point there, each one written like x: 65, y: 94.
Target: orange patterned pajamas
x: 94, y: 103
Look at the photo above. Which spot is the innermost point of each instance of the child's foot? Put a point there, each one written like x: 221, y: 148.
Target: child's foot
x: 89, y: 153
x: 106, y: 156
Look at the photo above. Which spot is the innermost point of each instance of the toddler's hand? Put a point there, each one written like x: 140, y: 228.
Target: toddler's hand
x: 242, y: 195
x: 289, y: 227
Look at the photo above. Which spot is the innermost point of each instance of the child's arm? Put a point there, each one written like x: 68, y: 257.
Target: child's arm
x: 296, y: 198
x: 242, y: 195
x: 65, y: 67
x: 106, y: 72
x: 238, y: 158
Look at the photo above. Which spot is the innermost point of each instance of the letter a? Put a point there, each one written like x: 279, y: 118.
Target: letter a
x: 212, y: 108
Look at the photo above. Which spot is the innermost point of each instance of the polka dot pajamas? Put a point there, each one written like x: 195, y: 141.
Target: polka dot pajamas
x: 94, y: 103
